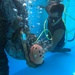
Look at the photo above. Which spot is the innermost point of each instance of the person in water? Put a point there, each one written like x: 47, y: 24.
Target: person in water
x: 56, y: 26
x: 12, y: 23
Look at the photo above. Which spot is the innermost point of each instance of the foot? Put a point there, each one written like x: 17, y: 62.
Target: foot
x: 65, y: 50
x: 62, y: 50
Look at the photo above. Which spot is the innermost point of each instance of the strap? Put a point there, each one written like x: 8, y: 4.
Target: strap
x: 54, y: 23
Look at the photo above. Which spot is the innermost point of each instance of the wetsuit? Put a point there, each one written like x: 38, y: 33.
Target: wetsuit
x: 10, y: 33
x: 7, y: 17
x: 59, y: 25
x: 4, y: 69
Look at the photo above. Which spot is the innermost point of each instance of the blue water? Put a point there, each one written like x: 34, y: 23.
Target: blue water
x: 55, y: 63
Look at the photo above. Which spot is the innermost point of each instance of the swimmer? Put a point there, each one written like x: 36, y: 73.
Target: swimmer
x: 56, y: 26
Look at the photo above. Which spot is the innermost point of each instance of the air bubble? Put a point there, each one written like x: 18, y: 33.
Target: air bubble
x: 24, y: 4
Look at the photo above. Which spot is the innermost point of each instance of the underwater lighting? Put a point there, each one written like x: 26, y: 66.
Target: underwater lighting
x: 74, y: 73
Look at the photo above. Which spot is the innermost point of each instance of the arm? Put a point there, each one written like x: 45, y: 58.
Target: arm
x: 58, y: 34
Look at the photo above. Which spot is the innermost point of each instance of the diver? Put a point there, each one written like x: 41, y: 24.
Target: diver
x: 12, y: 25
x: 56, y: 26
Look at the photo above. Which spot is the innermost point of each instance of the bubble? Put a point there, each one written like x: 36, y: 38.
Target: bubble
x: 40, y: 12
x: 26, y: 18
x: 26, y: 26
x: 24, y: 4
x: 15, y: 10
x: 38, y: 23
x: 31, y: 12
x: 30, y: 2
x: 40, y: 8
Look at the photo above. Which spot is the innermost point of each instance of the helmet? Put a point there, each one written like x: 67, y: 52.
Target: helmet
x: 36, y: 54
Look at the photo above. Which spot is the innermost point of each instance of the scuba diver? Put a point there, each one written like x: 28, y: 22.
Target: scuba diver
x: 56, y: 26
x: 13, y: 24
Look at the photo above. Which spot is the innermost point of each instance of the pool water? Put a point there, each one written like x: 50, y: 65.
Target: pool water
x: 54, y: 63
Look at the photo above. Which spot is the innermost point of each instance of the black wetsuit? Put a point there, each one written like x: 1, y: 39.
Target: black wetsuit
x: 7, y: 16
x: 60, y: 25
x: 52, y: 29
x: 10, y: 37
x: 4, y: 69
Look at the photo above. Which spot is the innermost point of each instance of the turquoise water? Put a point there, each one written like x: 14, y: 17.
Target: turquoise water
x: 55, y: 63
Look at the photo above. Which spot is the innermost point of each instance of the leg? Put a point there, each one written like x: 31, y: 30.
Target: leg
x: 4, y: 69
x: 3, y: 59
x: 62, y: 50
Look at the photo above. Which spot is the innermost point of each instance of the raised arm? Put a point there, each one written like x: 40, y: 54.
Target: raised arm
x: 57, y: 36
